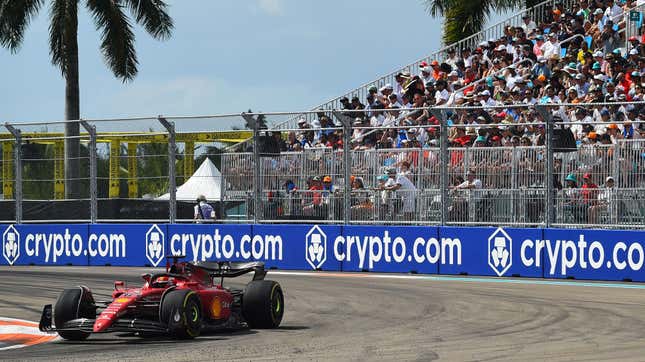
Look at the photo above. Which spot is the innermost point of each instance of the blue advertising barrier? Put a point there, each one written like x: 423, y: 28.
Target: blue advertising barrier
x: 549, y: 253
x: 127, y: 244
x: 56, y: 244
x: 295, y: 247
x: 492, y: 251
x: 400, y: 249
x: 304, y: 247
x: 594, y: 254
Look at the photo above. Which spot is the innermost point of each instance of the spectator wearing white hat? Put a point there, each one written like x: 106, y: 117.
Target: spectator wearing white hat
x: 485, y: 98
x: 303, y: 125
x: 357, y: 135
x: 551, y: 47
x: 453, y: 78
x: 581, y: 85
x: 426, y: 74
x: 405, y: 189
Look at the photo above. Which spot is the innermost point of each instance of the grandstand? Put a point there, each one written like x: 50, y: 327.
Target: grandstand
x: 586, y: 57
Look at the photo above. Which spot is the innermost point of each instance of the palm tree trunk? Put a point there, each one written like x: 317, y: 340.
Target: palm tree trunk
x: 72, y: 112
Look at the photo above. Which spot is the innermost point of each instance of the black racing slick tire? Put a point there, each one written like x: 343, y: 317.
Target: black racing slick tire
x: 263, y: 304
x: 181, y: 310
x: 73, y: 304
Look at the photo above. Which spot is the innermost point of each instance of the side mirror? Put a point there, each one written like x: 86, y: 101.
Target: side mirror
x: 146, y: 277
x: 118, y: 285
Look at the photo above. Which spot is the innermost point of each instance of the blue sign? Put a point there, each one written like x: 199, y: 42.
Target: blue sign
x: 400, y: 249
x: 594, y: 254
x: 203, y: 242
x: 504, y: 252
x: 127, y: 244
x: 57, y: 244
x: 303, y: 247
x: 493, y: 251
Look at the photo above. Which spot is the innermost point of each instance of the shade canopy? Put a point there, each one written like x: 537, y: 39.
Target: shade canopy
x: 205, y: 181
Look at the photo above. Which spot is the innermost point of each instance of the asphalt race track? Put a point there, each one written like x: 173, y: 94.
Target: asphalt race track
x: 369, y: 317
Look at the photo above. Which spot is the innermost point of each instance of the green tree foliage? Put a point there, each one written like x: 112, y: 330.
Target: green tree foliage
x: 464, y: 18
x: 117, y: 47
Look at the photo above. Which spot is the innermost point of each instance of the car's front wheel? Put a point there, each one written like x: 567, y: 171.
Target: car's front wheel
x: 73, y: 304
x: 182, y: 312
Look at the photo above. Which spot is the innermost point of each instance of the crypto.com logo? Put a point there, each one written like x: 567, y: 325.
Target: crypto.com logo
x: 316, y: 247
x: 11, y: 245
x: 500, y: 251
x: 155, y: 245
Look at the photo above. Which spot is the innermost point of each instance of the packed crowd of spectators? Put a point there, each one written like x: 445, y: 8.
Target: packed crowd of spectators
x: 578, y: 56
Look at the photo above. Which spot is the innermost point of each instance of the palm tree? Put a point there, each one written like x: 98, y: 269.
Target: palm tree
x: 117, y: 46
x: 464, y: 18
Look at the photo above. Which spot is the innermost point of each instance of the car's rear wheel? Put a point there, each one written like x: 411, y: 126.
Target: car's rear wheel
x: 182, y: 312
x: 263, y: 304
x: 73, y: 304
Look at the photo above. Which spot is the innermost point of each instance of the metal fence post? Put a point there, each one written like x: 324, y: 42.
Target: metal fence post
x: 257, y: 188
x: 347, y: 160
x: 17, y: 154
x: 91, y: 130
x: 549, y: 204
x: 443, y: 150
x: 222, y: 188
x: 172, y: 177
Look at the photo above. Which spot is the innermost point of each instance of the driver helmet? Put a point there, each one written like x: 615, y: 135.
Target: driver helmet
x: 163, y: 279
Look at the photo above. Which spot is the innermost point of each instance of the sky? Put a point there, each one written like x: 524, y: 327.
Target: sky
x: 225, y: 56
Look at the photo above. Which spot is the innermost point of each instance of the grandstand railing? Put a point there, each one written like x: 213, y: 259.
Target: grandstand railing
x: 144, y: 165
x: 514, y: 188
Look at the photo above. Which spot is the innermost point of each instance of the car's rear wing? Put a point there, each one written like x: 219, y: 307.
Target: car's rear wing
x: 229, y: 269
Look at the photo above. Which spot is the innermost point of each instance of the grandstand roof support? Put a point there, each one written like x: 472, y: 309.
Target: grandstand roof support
x: 172, y: 175
x: 91, y: 130
x: 17, y: 134
x: 549, y: 203
x: 443, y: 174
x: 347, y: 141
x: 257, y: 190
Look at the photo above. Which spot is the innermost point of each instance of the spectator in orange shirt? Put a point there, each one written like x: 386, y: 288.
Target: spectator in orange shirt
x: 436, y: 70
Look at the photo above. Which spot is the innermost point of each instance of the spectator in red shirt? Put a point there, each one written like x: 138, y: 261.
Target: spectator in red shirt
x: 313, y: 197
x: 589, y: 190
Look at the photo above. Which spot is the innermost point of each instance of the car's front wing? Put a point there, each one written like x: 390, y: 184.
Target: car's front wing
x: 87, y: 325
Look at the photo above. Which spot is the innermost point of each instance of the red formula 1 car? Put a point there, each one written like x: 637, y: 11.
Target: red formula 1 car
x: 182, y: 302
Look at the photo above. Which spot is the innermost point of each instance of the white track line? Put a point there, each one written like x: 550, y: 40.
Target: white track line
x: 473, y: 279
x: 18, y: 329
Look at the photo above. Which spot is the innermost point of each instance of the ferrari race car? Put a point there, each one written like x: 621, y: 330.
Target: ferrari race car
x: 182, y: 302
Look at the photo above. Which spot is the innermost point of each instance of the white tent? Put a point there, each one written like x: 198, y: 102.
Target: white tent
x: 205, y: 181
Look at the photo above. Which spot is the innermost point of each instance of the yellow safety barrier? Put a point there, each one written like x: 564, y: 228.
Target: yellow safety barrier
x: 115, y: 139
